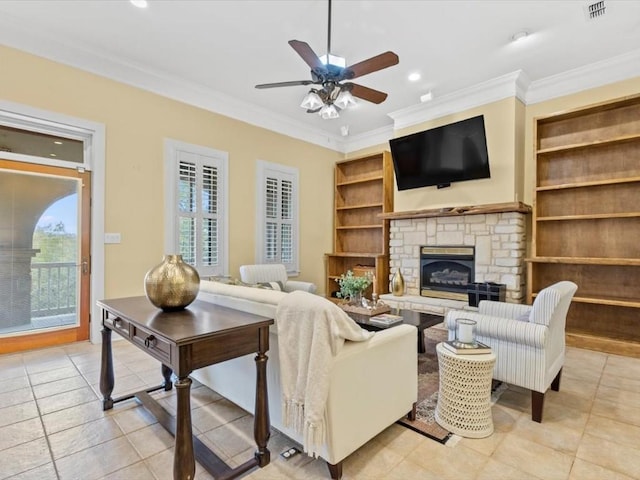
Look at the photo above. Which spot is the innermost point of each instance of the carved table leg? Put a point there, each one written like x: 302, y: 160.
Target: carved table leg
x: 184, y: 464
x: 106, y: 370
x: 166, y: 374
x: 262, y: 424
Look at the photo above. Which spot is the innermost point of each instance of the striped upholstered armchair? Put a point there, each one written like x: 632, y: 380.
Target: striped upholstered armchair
x: 528, y: 340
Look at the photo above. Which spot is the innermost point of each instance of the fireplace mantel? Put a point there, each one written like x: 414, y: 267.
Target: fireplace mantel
x: 458, y: 211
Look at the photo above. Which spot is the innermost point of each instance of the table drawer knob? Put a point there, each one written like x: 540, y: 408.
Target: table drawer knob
x: 150, y: 341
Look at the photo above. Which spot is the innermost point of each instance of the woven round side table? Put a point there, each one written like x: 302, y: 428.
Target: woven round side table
x: 464, y: 398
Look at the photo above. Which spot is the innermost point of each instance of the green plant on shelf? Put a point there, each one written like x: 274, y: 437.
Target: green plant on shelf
x: 351, y: 287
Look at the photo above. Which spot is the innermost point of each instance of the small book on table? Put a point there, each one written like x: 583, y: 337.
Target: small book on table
x: 385, y: 319
x: 479, y: 349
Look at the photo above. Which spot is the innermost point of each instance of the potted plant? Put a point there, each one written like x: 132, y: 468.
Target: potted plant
x: 351, y: 287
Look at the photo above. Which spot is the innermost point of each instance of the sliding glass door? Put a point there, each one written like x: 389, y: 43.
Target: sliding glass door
x: 44, y: 255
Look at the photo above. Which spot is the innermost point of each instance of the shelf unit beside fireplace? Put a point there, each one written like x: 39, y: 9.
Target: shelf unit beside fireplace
x: 363, y: 191
x: 586, y: 221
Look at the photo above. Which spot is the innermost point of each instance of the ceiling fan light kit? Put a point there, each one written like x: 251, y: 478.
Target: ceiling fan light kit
x: 328, y: 72
x: 312, y: 101
x: 328, y: 112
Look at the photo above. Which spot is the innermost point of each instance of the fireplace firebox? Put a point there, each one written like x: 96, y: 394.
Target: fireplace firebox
x: 445, y: 271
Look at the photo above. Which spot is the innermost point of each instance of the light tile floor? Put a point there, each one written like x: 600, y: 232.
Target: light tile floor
x: 52, y: 427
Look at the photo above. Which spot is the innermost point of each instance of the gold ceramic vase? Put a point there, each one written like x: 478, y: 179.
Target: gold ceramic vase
x: 173, y: 284
x: 397, y: 284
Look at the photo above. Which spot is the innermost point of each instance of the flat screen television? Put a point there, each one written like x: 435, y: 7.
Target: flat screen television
x: 452, y: 153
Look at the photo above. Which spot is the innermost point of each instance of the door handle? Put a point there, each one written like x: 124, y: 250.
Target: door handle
x: 85, y: 266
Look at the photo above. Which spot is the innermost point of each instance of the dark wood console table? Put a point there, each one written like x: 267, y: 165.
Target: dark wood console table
x: 200, y: 335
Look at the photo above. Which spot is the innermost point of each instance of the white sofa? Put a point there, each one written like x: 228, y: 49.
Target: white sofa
x: 373, y: 383
x: 273, y: 272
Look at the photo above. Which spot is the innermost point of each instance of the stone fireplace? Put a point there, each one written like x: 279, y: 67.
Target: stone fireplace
x: 496, y: 233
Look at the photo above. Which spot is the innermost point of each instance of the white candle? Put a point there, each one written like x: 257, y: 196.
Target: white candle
x: 465, y: 331
x: 374, y: 285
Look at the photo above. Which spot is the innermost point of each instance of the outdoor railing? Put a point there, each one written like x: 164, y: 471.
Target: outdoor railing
x: 53, y: 288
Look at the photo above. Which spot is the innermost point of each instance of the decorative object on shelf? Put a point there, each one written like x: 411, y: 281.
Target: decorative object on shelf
x: 386, y: 319
x: 465, y: 333
x: 397, y: 284
x: 172, y: 284
x: 351, y: 287
x: 479, y: 349
x: 369, y: 311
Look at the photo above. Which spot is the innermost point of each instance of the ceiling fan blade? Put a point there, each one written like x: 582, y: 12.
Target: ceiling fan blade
x: 373, y: 64
x: 285, y: 84
x: 308, y: 55
x: 366, y: 93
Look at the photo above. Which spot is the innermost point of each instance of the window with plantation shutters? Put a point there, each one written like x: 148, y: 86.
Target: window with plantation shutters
x: 197, y: 192
x: 277, y: 215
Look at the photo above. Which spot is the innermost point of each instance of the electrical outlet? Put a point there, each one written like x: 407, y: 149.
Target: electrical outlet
x: 289, y: 453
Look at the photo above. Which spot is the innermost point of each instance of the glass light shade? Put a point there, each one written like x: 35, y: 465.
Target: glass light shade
x: 466, y: 331
x: 333, y: 60
x: 328, y: 112
x: 345, y: 99
x: 311, y: 101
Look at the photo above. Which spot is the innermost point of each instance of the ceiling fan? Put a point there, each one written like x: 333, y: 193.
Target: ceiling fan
x: 333, y: 92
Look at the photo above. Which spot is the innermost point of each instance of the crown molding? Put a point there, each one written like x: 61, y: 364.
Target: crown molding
x: 368, y: 139
x: 509, y: 85
x: 515, y: 84
x: 611, y: 70
x: 43, y: 45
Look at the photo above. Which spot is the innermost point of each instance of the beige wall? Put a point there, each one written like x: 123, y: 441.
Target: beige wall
x: 137, y: 122
x: 503, y: 121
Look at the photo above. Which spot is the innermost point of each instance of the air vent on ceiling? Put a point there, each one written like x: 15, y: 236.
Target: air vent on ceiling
x: 595, y: 10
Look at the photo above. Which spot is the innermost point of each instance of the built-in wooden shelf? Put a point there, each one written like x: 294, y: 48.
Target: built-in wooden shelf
x: 363, y: 191
x: 377, y: 178
x: 590, y: 145
x: 586, y: 220
x: 596, y: 216
x: 359, y: 227
x: 364, y: 205
x: 458, y: 211
x: 612, y: 181
x: 586, y: 261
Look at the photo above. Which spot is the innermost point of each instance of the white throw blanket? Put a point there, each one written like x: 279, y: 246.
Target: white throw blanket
x: 311, y: 331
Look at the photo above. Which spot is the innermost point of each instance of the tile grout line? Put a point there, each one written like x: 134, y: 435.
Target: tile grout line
x: 44, y: 430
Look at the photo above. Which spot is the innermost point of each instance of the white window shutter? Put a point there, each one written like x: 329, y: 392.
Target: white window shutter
x: 197, y: 205
x: 277, y: 208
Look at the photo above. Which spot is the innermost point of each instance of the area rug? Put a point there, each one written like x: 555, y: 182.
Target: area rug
x: 425, y: 422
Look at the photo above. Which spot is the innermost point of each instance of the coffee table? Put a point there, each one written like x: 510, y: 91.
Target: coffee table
x: 421, y: 320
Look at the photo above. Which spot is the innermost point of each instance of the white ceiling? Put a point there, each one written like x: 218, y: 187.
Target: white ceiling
x: 213, y: 52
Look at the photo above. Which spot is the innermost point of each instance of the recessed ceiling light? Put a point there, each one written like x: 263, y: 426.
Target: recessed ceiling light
x: 519, y: 36
x: 139, y: 3
x: 58, y: 142
x: 52, y: 155
x: 414, y: 77
x: 427, y: 97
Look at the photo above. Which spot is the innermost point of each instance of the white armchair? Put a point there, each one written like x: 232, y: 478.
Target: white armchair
x: 528, y: 340
x: 273, y: 272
